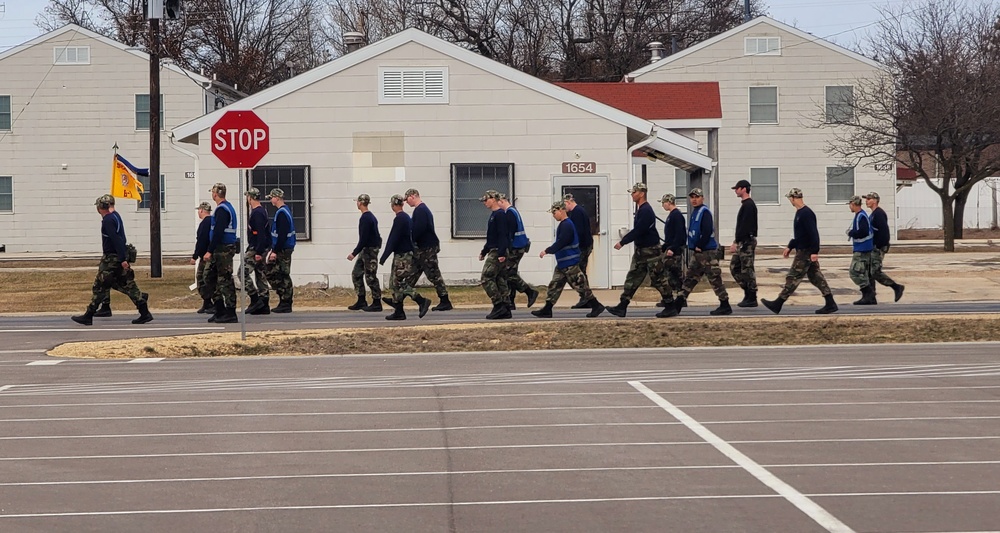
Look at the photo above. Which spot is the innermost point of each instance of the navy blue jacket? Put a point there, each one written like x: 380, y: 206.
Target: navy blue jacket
x: 567, y: 245
x: 643, y: 228
x: 581, y: 220
x: 400, y: 237
x: 746, y: 221
x: 201, y: 241
x: 113, y: 239
x: 880, y: 223
x: 496, y: 234
x: 368, y: 235
x: 222, y: 221
x: 424, y: 235
x: 258, y: 236
x: 805, y: 235
x: 674, y: 235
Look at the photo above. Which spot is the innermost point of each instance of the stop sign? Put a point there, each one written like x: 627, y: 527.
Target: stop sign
x: 240, y: 139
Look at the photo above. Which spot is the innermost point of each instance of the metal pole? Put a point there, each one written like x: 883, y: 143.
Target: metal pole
x: 155, y: 255
x: 243, y: 247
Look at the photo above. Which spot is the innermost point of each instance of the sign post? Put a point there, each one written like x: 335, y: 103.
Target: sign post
x: 240, y: 139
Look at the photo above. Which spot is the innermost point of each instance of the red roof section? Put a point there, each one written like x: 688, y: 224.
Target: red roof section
x: 904, y: 173
x: 652, y: 101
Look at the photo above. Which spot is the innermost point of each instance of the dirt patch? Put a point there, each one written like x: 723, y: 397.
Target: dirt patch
x: 554, y: 335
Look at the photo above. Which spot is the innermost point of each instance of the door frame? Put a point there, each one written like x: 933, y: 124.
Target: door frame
x: 600, y: 261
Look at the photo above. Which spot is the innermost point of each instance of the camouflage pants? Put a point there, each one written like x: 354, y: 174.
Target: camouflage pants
x: 514, y: 281
x: 741, y: 265
x: 494, y: 279
x: 876, y: 268
x: 254, y: 280
x: 200, y: 280
x: 402, y: 277
x: 668, y: 270
x: 111, y: 275
x: 426, y: 260
x: 576, y: 279
x: 803, y: 267
x: 219, y: 275
x: 861, y: 263
x: 366, y: 271
x: 705, y: 263
x: 585, y: 259
x: 279, y: 275
x: 644, y: 262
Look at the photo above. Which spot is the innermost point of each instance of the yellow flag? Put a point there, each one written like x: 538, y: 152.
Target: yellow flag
x: 124, y: 183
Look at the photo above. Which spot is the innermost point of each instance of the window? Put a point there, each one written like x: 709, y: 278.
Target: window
x: 142, y: 112
x: 6, y: 194
x: 763, y: 105
x: 682, y: 180
x: 71, y: 55
x: 5, y: 116
x: 764, y: 185
x: 762, y: 46
x: 587, y: 196
x: 295, y: 182
x: 145, y: 202
x: 468, y: 183
x: 413, y: 85
x: 839, y: 104
x: 839, y: 184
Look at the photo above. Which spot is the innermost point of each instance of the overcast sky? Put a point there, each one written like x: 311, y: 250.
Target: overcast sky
x: 842, y: 21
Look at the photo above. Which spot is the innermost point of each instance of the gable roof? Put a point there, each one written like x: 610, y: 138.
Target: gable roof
x: 683, y: 149
x: 746, y: 26
x: 656, y: 101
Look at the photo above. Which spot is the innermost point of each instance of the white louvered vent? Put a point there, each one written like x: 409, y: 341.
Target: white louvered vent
x: 413, y: 85
x: 71, y: 55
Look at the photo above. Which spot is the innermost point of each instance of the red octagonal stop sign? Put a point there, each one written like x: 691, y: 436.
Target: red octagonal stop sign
x: 240, y: 139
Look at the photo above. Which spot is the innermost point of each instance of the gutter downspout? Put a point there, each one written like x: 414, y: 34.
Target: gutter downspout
x: 197, y: 173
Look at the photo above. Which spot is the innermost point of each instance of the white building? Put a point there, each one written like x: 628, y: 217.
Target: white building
x: 66, y: 98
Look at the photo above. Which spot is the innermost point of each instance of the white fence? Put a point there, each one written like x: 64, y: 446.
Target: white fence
x: 920, y: 207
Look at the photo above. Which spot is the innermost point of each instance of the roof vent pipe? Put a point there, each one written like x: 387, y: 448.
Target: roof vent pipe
x: 354, y: 40
x: 655, y: 51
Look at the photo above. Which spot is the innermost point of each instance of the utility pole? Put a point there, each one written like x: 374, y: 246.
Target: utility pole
x: 155, y: 254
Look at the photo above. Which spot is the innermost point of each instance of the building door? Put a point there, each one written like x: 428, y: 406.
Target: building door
x: 591, y: 192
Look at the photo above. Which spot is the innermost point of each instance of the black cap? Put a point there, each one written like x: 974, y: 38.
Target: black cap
x: 742, y: 184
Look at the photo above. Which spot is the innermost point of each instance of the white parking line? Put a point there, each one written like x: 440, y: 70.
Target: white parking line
x: 146, y: 360
x: 45, y: 362
x: 4, y: 352
x: 6, y: 387
x: 820, y: 515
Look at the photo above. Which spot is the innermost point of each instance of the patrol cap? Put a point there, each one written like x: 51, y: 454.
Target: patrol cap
x: 638, y: 187
x: 795, y: 192
x: 219, y: 188
x: 503, y: 196
x: 253, y: 192
x: 668, y: 198
x: 411, y: 192
x: 558, y: 206
x: 568, y: 197
x: 364, y: 198
x: 742, y: 184
x: 872, y: 195
x: 855, y: 200
x: 396, y: 200
x: 696, y: 192
x: 276, y: 193
x: 105, y: 201
x: 490, y: 194
x: 205, y: 206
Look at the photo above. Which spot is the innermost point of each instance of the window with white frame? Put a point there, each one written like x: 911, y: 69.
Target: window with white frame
x: 142, y: 112
x: 762, y: 46
x: 6, y: 119
x: 294, y: 181
x: 71, y: 55
x: 468, y: 183
x: 763, y: 105
x: 6, y: 194
x: 839, y: 104
x: 839, y: 184
x: 412, y: 85
x: 682, y: 180
x: 145, y: 202
x: 764, y: 184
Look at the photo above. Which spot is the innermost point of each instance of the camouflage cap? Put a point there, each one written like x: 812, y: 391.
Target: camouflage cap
x: 795, y: 192
x: 873, y: 196
x: 397, y: 200
x: 490, y: 194
x: 668, y: 198
x: 638, y: 187
x: 558, y: 206
x: 855, y: 200
x: 219, y: 188
x: 205, y: 206
x: 411, y: 192
x: 569, y: 197
x: 503, y: 196
x: 253, y: 192
x: 105, y: 201
x: 276, y: 193
x: 364, y: 198
x: 696, y: 192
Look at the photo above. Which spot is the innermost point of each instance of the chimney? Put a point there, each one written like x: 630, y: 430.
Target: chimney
x: 354, y: 40
x: 655, y: 51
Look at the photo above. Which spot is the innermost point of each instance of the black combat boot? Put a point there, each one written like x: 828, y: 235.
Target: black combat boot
x: 103, y: 311
x: 511, y: 306
x: 723, y: 309
x: 668, y: 311
x: 443, y: 305
x: 220, y: 311
x: 360, y: 304
x: 144, y: 314
x: 424, y: 304
x: 830, y: 307
x: 206, y: 306
x: 680, y: 302
x: 596, y: 308
x: 897, y: 289
x: 376, y: 306
x: 500, y: 311
x: 773, y: 305
x: 284, y: 306
x: 749, y: 299
x: 254, y: 304
x: 617, y: 310
x: 87, y: 318
x: 397, y: 311
x: 867, y: 297
x: 532, y: 295
x: 582, y: 304
x: 228, y: 316
x: 544, y: 312
x: 263, y: 307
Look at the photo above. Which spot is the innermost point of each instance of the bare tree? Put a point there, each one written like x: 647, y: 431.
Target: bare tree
x: 934, y: 108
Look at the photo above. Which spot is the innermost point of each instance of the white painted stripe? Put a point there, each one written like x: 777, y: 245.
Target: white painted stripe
x: 81, y: 330
x: 146, y: 360
x: 46, y: 362
x: 21, y: 351
x: 831, y: 404
x: 820, y: 515
x: 6, y: 387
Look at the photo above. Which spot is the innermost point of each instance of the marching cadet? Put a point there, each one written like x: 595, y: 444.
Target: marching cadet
x: 519, y: 245
x: 880, y: 223
x: 221, y: 249
x: 426, y: 247
x: 705, y: 255
x: 567, y: 252
x: 671, y: 262
x: 200, y: 247
x: 279, y: 261
x: 805, y: 242
x: 494, y: 253
x: 115, y: 271
x: 862, y: 242
x: 366, y: 252
x: 581, y: 221
x: 744, y: 247
x: 403, y: 274
x: 254, y: 280
x: 647, y: 251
